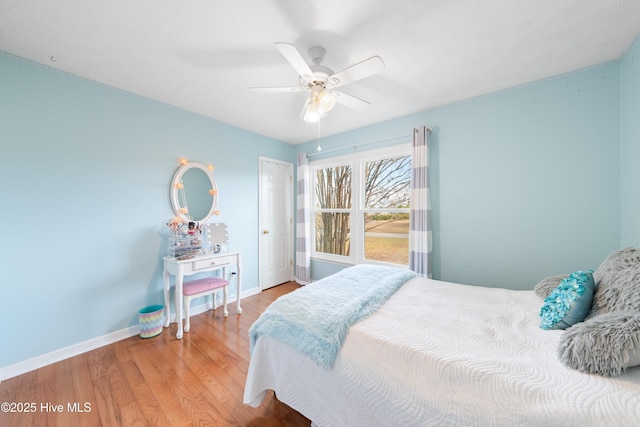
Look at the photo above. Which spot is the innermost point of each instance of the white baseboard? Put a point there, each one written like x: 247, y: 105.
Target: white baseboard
x: 33, y: 363
x: 28, y: 365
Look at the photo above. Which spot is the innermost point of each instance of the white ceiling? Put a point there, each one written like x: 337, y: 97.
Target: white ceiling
x: 202, y: 55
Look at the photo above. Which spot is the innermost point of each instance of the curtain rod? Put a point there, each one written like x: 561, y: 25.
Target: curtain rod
x: 355, y: 146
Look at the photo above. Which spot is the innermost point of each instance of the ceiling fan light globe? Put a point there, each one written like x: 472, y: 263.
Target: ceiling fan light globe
x: 327, y: 102
x: 312, y: 118
x: 312, y: 115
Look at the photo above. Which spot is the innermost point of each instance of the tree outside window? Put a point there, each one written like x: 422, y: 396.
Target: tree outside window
x: 386, y: 210
x: 333, y: 200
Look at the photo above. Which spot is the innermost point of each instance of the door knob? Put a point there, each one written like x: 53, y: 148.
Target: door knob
x: 265, y: 231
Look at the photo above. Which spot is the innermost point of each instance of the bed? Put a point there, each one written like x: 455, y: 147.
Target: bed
x: 439, y: 353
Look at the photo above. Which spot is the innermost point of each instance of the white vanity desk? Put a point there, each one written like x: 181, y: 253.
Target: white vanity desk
x: 199, y: 264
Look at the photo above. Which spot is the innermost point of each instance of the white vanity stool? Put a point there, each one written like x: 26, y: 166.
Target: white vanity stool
x: 199, y: 288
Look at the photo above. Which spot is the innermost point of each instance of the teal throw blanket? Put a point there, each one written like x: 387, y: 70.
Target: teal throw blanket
x: 315, y: 319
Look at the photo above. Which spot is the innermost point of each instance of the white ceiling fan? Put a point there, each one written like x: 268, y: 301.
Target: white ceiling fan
x: 321, y: 82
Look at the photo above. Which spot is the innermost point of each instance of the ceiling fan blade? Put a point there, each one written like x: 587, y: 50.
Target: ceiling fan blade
x: 288, y: 89
x: 291, y: 54
x: 350, y: 101
x: 363, y: 69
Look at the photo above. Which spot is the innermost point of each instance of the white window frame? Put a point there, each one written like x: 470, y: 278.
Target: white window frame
x: 357, y: 160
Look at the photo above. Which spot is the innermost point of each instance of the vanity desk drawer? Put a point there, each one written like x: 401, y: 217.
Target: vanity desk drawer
x: 203, y: 264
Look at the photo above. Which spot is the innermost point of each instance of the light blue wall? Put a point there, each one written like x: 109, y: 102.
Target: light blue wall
x: 630, y: 145
x: 525, y: 182
x: 85, y: 197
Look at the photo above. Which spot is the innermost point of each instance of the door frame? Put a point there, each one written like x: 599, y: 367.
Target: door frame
x: 290, y: 229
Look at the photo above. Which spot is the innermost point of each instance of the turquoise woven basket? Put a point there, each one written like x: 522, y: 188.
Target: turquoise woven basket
x: 151, y: 319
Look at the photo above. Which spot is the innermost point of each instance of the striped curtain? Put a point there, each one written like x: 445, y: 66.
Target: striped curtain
x: 420, y: 239
x: 303, y: 222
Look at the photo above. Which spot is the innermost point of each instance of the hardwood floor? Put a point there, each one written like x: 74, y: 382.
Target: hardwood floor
x: 160, y: 381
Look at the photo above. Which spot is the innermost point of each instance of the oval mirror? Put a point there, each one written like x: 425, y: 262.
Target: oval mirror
x: 194, y: 192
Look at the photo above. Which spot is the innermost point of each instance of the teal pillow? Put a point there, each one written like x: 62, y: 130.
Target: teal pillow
x: 569, y: 303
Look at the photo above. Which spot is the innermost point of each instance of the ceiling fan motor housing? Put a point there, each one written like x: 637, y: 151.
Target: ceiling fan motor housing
x: 320, y: 72
x: 320, y: 76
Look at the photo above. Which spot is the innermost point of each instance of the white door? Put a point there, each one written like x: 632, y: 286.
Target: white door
x: 276, y: 222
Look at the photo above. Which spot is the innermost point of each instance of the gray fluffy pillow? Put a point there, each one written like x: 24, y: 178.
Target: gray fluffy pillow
x: 618, y: 283
x: 608, y: 341
x: 605, y: 345
x: 617, y: 261
x: 544, y: 287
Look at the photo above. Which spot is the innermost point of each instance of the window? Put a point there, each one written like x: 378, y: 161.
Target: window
x: 361, y: 206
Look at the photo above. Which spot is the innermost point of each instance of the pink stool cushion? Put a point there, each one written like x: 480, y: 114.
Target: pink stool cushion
x: 200, y: 285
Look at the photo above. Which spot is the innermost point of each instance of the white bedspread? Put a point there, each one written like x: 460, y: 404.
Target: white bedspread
x: 445, y: 354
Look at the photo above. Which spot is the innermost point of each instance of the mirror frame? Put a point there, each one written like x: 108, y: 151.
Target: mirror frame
x: 174, y: 191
